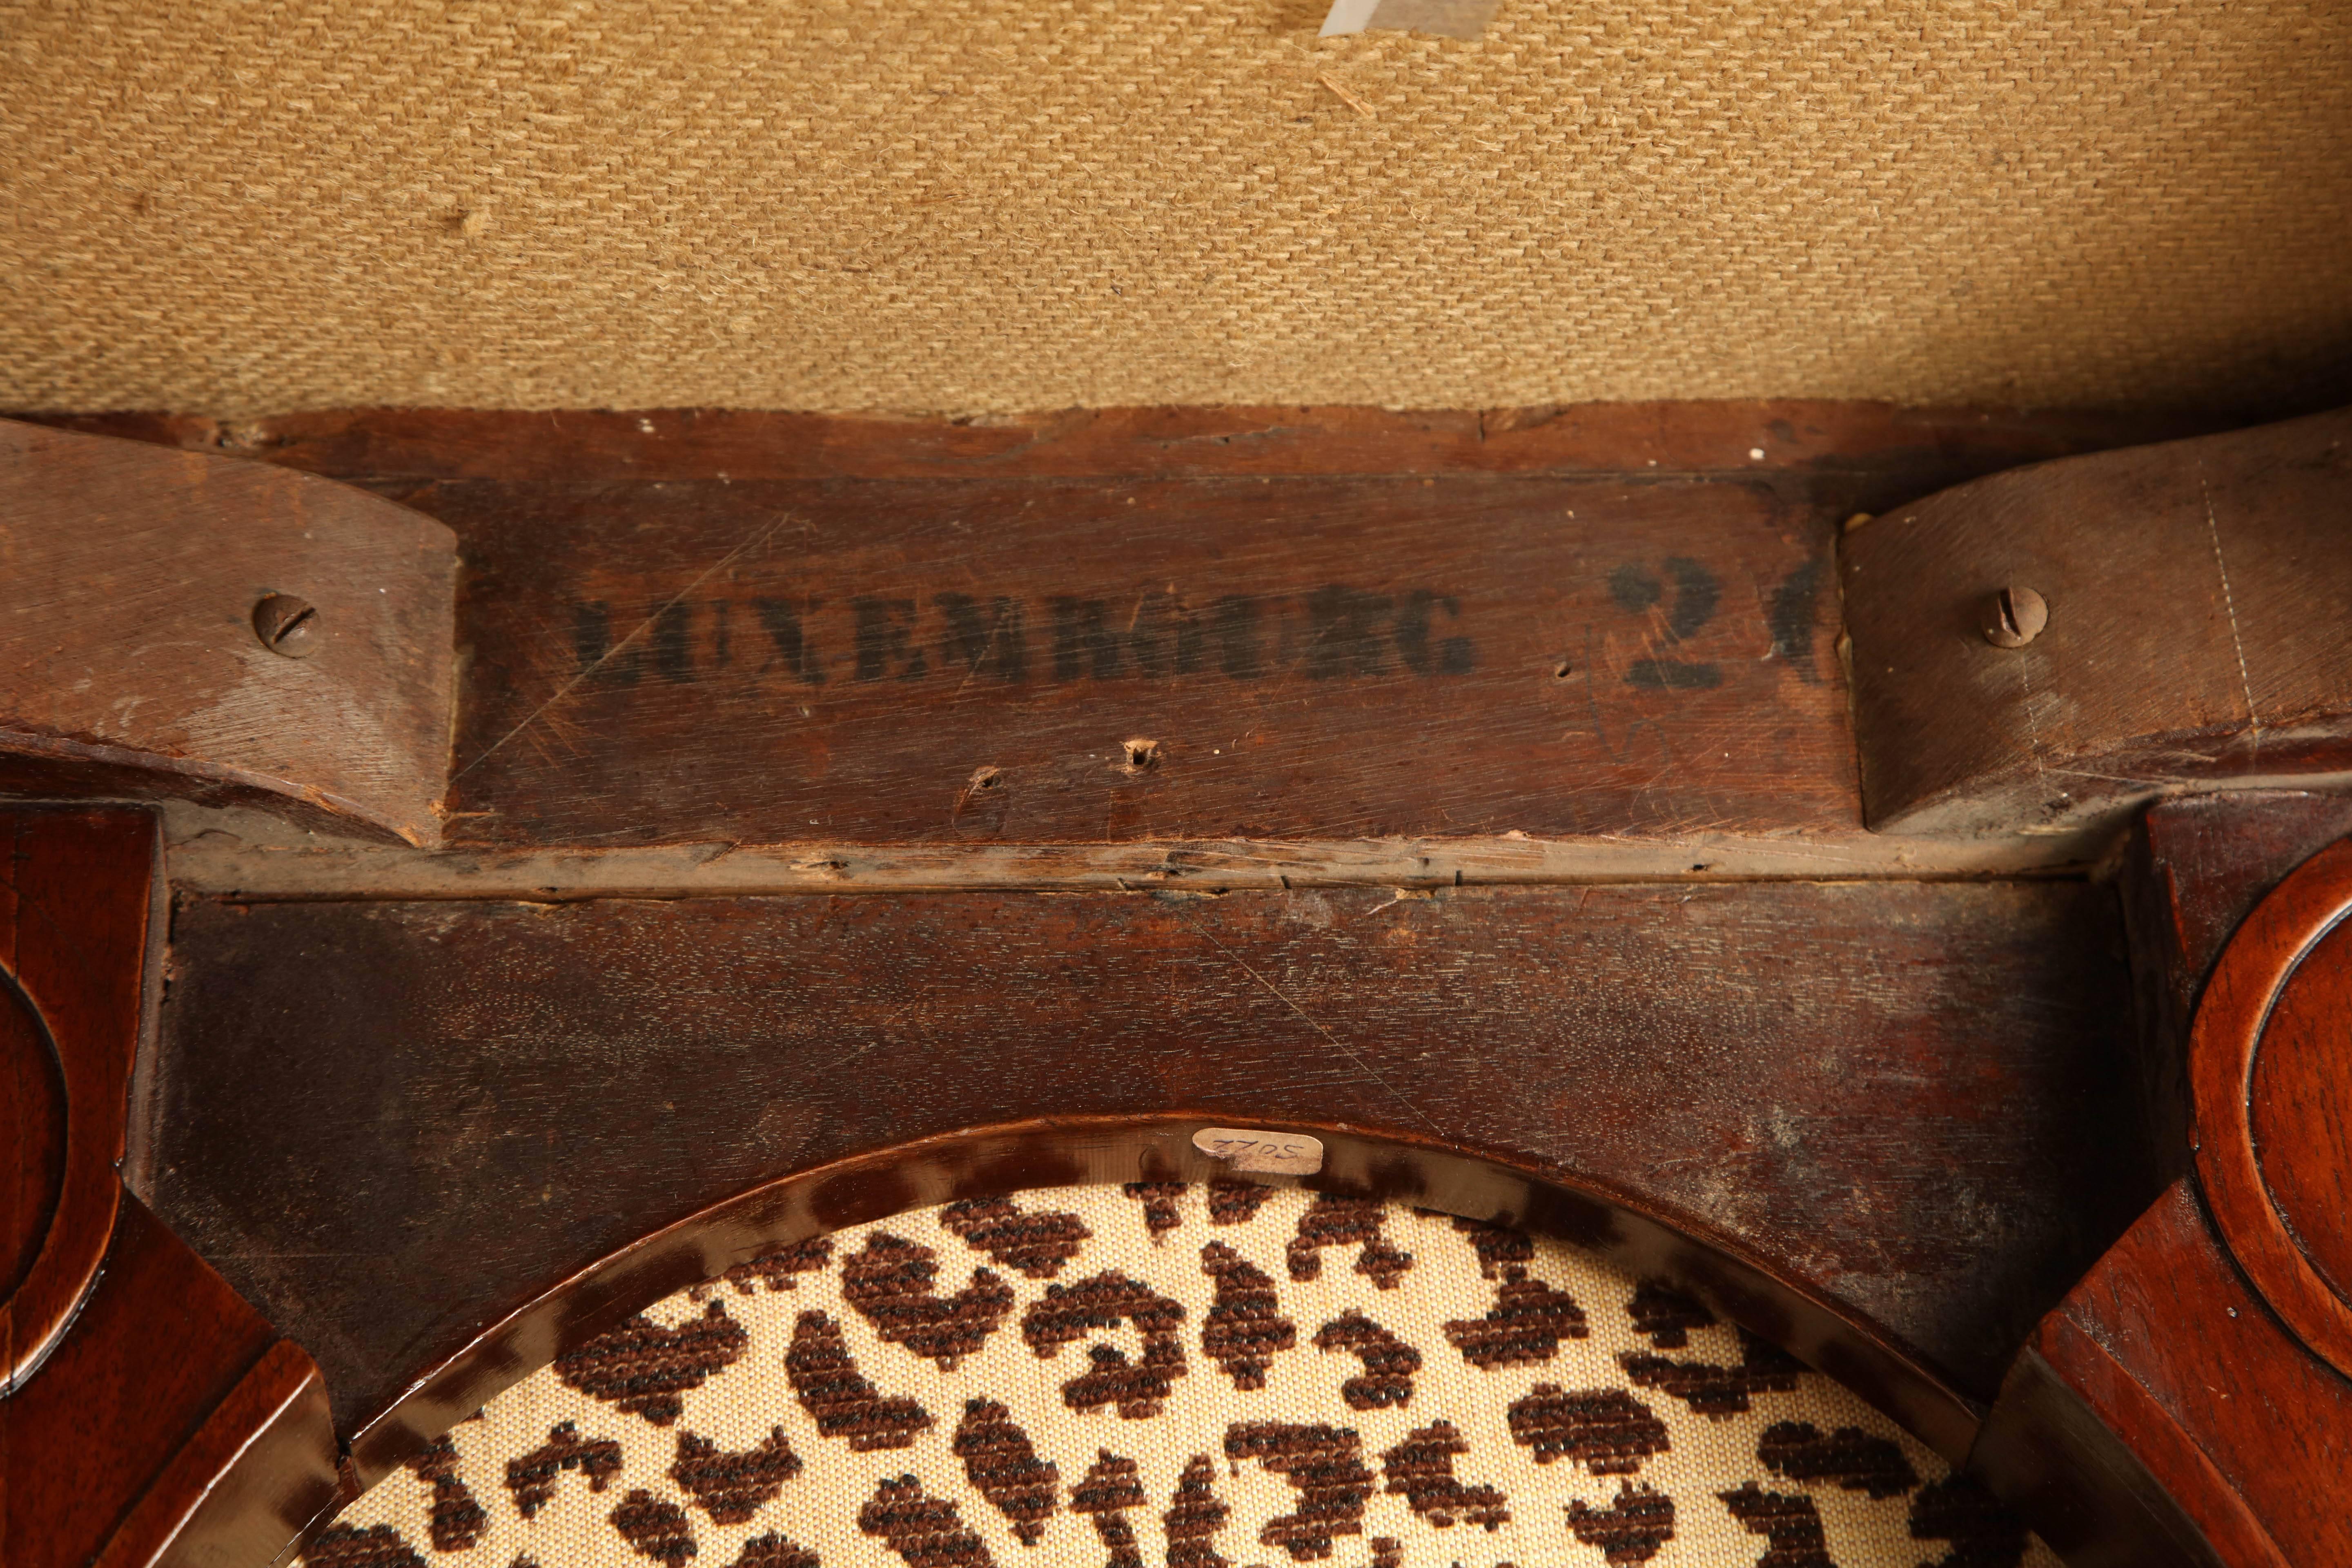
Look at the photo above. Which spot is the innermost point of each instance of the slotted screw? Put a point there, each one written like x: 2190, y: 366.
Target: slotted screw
x: 286, y: 625
x: 2014, y: 616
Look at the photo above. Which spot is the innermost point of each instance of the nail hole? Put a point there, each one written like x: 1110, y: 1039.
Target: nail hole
x: 1142, y: 756
x: 986, y: 778
x: 1563, y: 670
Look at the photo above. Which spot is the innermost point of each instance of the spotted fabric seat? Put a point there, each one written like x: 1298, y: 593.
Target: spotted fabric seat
x: 1221, y: 1376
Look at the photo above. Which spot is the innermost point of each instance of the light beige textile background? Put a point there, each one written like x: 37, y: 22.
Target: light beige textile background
x: 649, y: 1446
x: 977, y: 206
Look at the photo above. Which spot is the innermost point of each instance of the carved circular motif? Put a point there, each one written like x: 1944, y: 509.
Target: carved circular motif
x: 2300, y: 1107
x: 2271, y: 1065
x: 33, y: 1128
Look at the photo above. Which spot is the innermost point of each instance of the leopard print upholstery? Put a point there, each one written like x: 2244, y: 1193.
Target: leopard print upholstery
x: 1220, y: 1376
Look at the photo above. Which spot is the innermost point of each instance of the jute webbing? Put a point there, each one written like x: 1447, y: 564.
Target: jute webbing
x: 975, y: 205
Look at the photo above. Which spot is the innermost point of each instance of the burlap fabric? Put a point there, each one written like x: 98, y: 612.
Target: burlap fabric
x: 1198, y: 1378
x: 974, y: 206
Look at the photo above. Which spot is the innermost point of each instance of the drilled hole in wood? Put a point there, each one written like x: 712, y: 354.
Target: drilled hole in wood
x: 1142, y: 756
x: 1562, y: 671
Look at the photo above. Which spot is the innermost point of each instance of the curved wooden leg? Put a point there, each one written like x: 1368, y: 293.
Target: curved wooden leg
x: 2191, y: 1398
x: 150, y: 1416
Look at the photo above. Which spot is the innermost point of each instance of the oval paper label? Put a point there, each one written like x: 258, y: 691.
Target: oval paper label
x: 1267, y: 1153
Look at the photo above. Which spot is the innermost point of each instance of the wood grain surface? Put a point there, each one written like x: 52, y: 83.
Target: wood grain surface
x: 123, y: 1436
x: 2299, y: 1109
x: 33, y: 1131
x: 262, y: 1468
x: 78, y: 926
x: 246, y: 854
x: 2191, y: 870
x: 128, y: 661
x: 1892, y: 454
x: 2166, y: 1349
x: 2196, y: 868
x: 2051, y: 1449
x: 2270, y: 1074
x: 1053, y: 661
x: 91, y: 1448
x: 2179, y: 1406
x: 2218, y: 856
x: 2196, y: 594
x: 1905, y: 1098
x: 749, y: 629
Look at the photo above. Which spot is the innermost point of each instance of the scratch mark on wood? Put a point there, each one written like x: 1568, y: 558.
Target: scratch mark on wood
x: 640, y: 629
x: 1412, y: 1107
x: 2033, y: 729
x: 2230, y: 608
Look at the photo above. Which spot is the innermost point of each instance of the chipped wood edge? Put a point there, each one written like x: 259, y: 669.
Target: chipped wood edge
x: 241, y: 853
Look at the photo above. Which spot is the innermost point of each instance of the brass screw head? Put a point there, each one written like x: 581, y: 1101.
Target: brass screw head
x: 286, y: 625
x: 2014, y: 616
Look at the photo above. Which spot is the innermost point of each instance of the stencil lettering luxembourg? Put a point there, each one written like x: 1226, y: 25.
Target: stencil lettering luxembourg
x: 1333, y: 632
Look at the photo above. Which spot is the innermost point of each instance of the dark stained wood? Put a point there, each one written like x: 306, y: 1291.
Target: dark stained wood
x: 2298, y: 1111
x: 150, y: 1415
x: 2191, y: 870
x: 2271, y: 1086
x: 261, y: 1470
x: 1887, y: 1125
x: 2215, y: 856
x: 2049, y: 1451
x: 665, y: 611
x: 2196, y: 594
x: 2163, y: 1346
x: 1903, y: 1100
x: 76, y: 902
x: 1059, y: 661
x: 33, y: 1131
x: 111, y: 1452
x: 129, y: 662
x: 2189, y: 1402
x: 1892, y: 453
